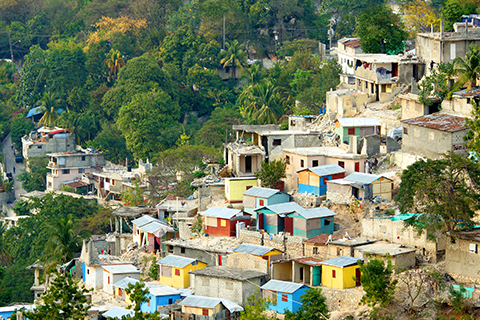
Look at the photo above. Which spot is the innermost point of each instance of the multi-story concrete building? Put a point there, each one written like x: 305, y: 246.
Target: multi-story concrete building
x: 46, y: 140
x: 347, y: 48
x: 72, y: 166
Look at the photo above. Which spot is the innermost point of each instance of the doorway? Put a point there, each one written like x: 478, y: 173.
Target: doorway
x: 357, y: 277
x: 248, y: 164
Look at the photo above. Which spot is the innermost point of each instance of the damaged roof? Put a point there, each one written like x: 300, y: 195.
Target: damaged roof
x: 322, y: 239
x: 440, y: 122
x: 474, y: 92
x: 243, y: 148
x: 223, y: 213
x: 228, y: 273
x: 354, y: 43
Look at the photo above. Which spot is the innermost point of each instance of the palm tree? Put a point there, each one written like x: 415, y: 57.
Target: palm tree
x: 63, y: 243
x: 114, y: 62
x: 254, y: 74
x: 50, y: 115
x: 467, y: 69
x: 233, y: 57
x: 261, y: 103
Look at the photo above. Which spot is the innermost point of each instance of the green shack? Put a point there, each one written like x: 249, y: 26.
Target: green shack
x: 359, y: 127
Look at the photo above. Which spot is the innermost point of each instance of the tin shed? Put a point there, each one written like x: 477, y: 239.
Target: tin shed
x: 285, y: 295
x: 314, y: 179
x: 221, y: 222
x: 257, y: 197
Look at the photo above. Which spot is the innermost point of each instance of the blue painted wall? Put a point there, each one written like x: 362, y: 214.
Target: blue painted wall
x: 158, y: 301
x: 6, y: 314
x: 83, y: 271
x: 276, y: 198
x: 318, y: 191
x: 289, y: 304
x: 324, y: 229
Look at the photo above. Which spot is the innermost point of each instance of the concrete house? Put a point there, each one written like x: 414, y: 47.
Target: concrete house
x: 222, y: 222
x: 246, y: 261
x: 358, y: 127
x: 393, y: 229
x: 306, y: 270
x: 115, y: 273
x: 285, y: 295
x: 234, y: 188
x: 347, y: 49
x: 67, y: 167
x: 149, y: 231
x: 160, y: 296
x: 360, y: 186
x: 293, y: 218
x: 462, y: 255
x: 257, y: 197
x: 433, y: 135
x: 211, y: 255
x: 317, y: 246
x: 301, y: 158
x: 223, y: 282
x: 461, y: 102
x: 346, y: 246
x: 243, y: 159
x: 119, y: 289
x: 402, y: 258
x: 174, y: 270
x: 346, y: 102
x: 46, y: 140
x: 314, y: 179
x: 209, y: 307
x: 341, y: 273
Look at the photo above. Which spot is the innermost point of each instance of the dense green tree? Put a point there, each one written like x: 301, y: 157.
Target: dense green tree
x: 114, y: 62
x: 18, y: 128
x: 145, y: 119
x: 255, y: 308
x: 64, y: 299
x: 35, y: 178
x: 441, y: 192
x: 112, y: 143
x: 271, y: 173
x: 381, y: 31
x: 218, y: 129
x: 49, y: 103
x: 451, y: 13
x: 96, y: 67
x: 261, y: 103
x: 377, y: 281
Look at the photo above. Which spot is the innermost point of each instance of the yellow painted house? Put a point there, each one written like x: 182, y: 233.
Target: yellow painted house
x: 267, y: 253
x: 119, y: 289
x: 235, y: 187
x: 207, y: 306
x: 341, y: 272
x: 174, y: 270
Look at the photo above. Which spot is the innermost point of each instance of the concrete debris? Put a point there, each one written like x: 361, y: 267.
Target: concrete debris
x: 210, y: 243
x: 325, y: 124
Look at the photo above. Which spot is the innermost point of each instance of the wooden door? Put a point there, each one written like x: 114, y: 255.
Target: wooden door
x: 260, y: 221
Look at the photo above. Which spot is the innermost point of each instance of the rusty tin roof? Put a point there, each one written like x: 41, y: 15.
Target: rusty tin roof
x: 440, y: 122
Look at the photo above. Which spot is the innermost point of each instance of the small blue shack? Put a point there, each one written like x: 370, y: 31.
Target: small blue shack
x: 257, y: 197
x: 286, y: 295
x: 160, y: 295
x: 314, y: 179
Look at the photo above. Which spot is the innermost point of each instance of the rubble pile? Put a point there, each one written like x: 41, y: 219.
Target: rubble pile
x: 307, y: 200
x: 325, y: 124
x: 212, y: 243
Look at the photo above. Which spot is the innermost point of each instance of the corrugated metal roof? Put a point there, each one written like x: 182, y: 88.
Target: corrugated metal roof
x: 224, y: 213
x: 283, y: 208
x: 176, y: 261
x: 359, y: 122
x: 325, y: 170
x: 253, y: 249
x: 364, y: 178
x: 209, y: 303
x: 161, y: 290
x: 291, y: 207
x: 121, y: 269
x: 261, y: 192
x: 474, y: 92
x: 153, y: 226
x: 143, y: 220
x: 440, y: 122
x: 319, y: 212
x: 228, y: 273
x: 282, y: 286
x: 118, y: 313
x: 342, y: 261
x: 123, y: 284
x: 321, y: 239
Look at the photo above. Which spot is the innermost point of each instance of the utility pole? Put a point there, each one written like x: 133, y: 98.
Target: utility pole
x: 10, y: 42
x: 223, y: 47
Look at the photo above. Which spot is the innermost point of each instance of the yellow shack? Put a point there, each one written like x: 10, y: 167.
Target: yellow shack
x: 341, y: 272
x: 235, y: 187
x: 119, y: 289
x: 174, y: 270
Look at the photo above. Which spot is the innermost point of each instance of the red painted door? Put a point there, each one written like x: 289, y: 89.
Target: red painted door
x: 289, y: 225
x: 260, y: 221
x: 357, y: 166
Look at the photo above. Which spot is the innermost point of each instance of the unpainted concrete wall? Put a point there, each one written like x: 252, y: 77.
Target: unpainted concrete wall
x: 459, y: 260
